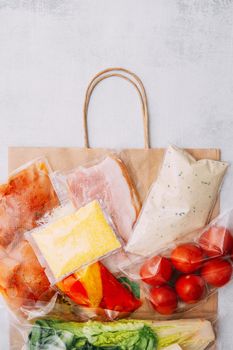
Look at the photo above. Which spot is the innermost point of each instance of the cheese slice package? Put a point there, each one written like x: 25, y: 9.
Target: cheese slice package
x: 180, y: 201
x: 24, y: 199
x: 69, y: 243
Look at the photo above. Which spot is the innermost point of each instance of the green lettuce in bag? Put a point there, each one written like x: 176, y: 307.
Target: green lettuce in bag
x: 52, y: 334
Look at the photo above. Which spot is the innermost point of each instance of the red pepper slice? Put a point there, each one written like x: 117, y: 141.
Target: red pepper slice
x: 72, y: 287
x: 115, y: 295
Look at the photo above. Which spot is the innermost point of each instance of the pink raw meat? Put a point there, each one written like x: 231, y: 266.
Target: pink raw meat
x: 109, y: 182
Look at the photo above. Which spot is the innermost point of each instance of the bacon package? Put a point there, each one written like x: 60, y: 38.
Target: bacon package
x: 67, y: 244
x: 97, y: 288
x: 109, y: 182
x: 180, y: 201
x: 24, y: 199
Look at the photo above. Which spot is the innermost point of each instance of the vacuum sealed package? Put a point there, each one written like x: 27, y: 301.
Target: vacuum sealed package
x: 69, y: 243
x: 96, y: 289
x: 24, y: 199
x: 109, y: 182
x: 180, y: 201
x: 189, y: 334
x: 190, y: 270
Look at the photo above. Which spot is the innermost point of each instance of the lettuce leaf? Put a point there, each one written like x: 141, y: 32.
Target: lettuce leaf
x: 55, y: 334
x: 51, y: 334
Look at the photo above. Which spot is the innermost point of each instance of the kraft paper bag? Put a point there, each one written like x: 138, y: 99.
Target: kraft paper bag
x: 142, y: 164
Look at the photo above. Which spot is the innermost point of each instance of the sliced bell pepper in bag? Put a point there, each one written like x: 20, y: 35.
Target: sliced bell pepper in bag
x: 74, y: 289
x: 90, y: 278
x: 115, y: 295
x: 96, y: 287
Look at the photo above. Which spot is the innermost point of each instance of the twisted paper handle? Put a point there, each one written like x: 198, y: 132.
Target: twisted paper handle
x: 130, y: 77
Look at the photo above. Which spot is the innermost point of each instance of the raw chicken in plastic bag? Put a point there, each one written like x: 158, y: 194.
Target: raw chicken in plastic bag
x: 24, y: 199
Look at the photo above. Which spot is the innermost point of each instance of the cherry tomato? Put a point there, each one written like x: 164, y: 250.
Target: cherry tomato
x: 190, y: 288
x: 187, y: 258
x: 163, y: 299
x: 217, y: 272
x: 156, y: 271
x: 216, y: 241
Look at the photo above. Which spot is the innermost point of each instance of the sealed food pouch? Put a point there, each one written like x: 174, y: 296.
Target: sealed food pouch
x: 188, y: 334
x: 188, y: 271
x: 109, y: 182
x: 24, y: 199
x: 180, y: 201
x: 95, y: 287
x: 69, y: 243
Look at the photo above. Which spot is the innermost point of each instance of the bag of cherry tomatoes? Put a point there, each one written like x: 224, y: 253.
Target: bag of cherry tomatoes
x: 189, y: 271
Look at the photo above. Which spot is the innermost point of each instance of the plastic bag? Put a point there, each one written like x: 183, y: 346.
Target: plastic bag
x: 190, y: 334
x: 180, y: 201
x: 108, y: 182
x: 188, y: 271
x: 24, y: 199
x: 70, y: 242
x: 105, y: 295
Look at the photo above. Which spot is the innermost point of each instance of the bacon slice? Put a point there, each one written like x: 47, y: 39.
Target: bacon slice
x: 108, y: 182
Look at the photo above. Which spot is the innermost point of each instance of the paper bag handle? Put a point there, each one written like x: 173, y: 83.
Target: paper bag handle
x: 130, y: 77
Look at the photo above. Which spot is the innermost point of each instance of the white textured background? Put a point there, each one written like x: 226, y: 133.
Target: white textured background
x: 182, y: 49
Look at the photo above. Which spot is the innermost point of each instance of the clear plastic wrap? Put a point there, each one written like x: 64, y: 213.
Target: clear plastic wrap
x: 107, y: 181
x: 189, y: 334
x: 24, y: 199
x: 180, y: 201
x: 188, y: 271
x: 73, y: 241
x: 99, y: 292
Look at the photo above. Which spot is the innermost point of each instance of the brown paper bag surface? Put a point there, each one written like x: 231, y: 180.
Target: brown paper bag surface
x: 143, y: 166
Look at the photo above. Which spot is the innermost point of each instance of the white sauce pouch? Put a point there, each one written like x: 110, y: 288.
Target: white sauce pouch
x: 180, y: 201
